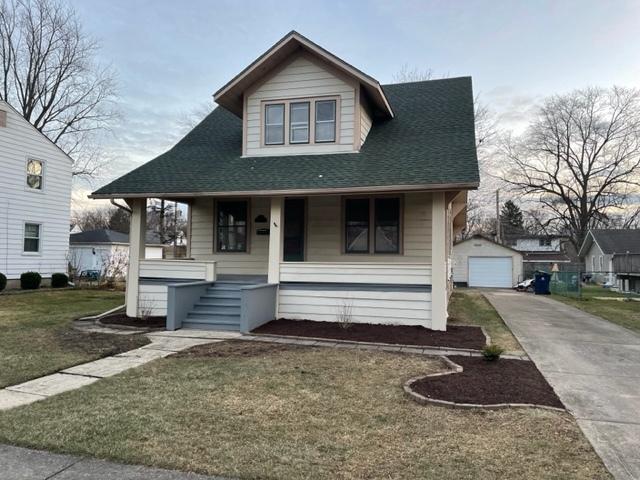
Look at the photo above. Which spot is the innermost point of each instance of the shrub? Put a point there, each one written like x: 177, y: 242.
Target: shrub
x: 30, y: 281
x: 492, y: 352
x: 3, y: 281
x: 59, y: 280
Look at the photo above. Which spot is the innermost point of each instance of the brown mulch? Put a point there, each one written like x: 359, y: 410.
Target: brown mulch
x: 455, y: 336
x: 489, y: 383
x: 121, y: 318
x: 235, y: 348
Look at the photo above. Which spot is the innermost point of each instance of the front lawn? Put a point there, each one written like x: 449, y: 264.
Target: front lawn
x: 37, y: 338
x: 469, y: 307
x: 257, y: 410
x: 624, y: 313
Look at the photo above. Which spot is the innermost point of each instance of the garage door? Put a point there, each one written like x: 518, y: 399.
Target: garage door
x: 490, y: 272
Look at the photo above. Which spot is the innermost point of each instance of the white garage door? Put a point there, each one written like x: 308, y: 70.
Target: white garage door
x: 490, y: 272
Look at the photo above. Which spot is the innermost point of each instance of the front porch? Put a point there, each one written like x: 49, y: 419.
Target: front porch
x: 290, y: 257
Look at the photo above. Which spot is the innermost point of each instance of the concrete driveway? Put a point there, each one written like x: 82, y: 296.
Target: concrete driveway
x: 593, y: 365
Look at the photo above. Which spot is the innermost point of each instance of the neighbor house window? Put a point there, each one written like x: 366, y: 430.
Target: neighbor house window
x: 35, y: 174
x: 381, y: 213
x: 325, y: 128
x: 274, y: 124
x: 299, y: 121
x: 231, y: 226
x: 544, y: 242
x: 31, y: 238
x: 387, y: 225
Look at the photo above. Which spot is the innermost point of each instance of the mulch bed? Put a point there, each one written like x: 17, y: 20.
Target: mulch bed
x: 454, y: 337
x: 121, y: 318
x: 489, y: 383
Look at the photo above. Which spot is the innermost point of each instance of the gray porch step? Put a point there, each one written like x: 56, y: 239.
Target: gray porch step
x: 216, y: 309
x: 220, y: 302
x: 232, y: 288
x: 235, y: 327
x: 224, y: 295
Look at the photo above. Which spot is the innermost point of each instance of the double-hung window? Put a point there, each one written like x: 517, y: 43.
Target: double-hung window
x: 31, y: 238
x: 299, y: 122
x: 274, y: 124
x: 325, y: 128
x: 372, y: 225
x: 35, y: 174
x: 231, y: 226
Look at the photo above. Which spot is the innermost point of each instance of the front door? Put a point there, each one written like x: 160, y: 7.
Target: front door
x: 294, y: 209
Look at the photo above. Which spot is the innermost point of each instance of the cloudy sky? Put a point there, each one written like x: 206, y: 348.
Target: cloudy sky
x: 172, y: 55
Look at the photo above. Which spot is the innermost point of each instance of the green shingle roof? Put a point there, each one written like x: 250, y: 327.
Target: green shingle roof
x: 430, y: 142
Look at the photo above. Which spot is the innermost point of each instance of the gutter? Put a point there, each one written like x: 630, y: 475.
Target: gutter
x: 112, y: 201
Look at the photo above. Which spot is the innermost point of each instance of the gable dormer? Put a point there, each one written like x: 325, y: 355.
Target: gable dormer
x: 298, y: 99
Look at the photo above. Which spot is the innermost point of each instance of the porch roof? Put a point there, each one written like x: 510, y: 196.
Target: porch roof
x: 430, y: 143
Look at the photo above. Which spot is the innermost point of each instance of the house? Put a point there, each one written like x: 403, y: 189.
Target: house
x: 106, y: 251
x: 479, y: 261
x: 599, y: 248
x: 35, y: 192
x: 314, y: 193
x: 544, y: 253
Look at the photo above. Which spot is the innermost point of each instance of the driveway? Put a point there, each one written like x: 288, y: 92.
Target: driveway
x: 593, y: 365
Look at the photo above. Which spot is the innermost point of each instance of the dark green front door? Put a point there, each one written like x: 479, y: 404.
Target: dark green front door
x: 294, y: 209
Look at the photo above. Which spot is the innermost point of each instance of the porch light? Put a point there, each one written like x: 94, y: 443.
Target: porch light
x: 261, y: 219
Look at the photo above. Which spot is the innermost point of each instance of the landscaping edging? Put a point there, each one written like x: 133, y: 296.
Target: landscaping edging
x: 455, y: 368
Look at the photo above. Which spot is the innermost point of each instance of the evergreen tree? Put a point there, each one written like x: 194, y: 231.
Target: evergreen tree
x: 511, y: 219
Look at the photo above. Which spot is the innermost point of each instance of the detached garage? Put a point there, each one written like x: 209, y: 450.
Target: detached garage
x: 481, y: 262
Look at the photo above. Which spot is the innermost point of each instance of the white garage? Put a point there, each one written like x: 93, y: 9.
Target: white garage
x: 481, y: 262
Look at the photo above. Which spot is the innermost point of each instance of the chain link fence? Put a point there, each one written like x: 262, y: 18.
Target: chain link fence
x: 566, y: 284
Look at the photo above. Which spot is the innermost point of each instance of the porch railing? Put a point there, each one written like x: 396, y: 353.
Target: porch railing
x: 178, y: 269
x: 339, y: 272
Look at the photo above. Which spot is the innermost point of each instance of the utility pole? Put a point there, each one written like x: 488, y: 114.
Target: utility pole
x: 498, y: 223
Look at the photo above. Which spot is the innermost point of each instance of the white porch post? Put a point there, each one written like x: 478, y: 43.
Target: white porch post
x: 137, y: 234
x: 276, y: 231
x: 439, y: 297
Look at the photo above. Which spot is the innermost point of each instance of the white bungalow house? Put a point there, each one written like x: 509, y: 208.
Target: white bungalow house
x: 35, y: 192
x: 313, y: 191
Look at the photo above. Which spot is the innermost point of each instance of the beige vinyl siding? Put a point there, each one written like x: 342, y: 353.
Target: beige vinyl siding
x: 253, y: 262
x: 176, y: 269
x: 403, y: 274
x: 401, y: 308
x: 325, y: 237
x: 19, y: 141
x: 365, y: 121
x: 152, y: 299
x: 304, y: 79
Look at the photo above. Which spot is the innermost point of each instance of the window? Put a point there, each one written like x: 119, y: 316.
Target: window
x: 357, y: 225
x: 325, y: 130
x: 601, y: 263
x: 274, y: 124
x: 231, y: 227
x: 387, y: 225
x: 32, y: 238
x: 544, y: 242
x: 383, y: 213
x: 35, y: 174
x: 299, y: 120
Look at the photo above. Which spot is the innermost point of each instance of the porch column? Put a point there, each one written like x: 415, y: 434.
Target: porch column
x: 276, y: 232
x: 439, y: 297
x: 137, y: 234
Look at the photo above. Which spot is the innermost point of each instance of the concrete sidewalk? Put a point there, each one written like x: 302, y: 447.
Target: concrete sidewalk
x: 594, y: 367
x: 25, y: 464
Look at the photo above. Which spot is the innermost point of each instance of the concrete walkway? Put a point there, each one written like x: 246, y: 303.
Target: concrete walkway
x: 594, y: 367
x: 25, y: 464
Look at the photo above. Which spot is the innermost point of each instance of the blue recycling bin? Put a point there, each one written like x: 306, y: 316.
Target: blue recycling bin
x: 541, y: 283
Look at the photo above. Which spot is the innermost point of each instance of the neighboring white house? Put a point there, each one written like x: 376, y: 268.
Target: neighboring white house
x: 481, y: 262
x: 106, y: 250
x: 35, y: 192
x: 599, y: 248
x: 543, y: 252
x: 314, y: 193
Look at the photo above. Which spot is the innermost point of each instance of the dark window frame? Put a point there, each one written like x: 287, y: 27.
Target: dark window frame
x: 377, y: 221
x: 371, y: 240
x: 346, y: 227
x: 218, y: 227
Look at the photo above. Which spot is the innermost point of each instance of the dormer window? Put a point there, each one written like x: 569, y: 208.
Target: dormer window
x: 274, y: 124
x: 299, y: 115
x: 325, y: 121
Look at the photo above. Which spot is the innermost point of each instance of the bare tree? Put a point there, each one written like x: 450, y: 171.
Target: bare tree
x: 49, y: 73
x: 580, y: 158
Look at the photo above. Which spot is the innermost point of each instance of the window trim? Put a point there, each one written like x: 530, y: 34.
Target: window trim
x: 284, y: 123
x: 315, y: 121
x: 344, y: 227
x: 371, y: 240
x: 308, y: 104
x: 42, y: 175
x: 312, y: 125
x: 24, y: 237
x: 247, y: 250
x: 375, y: 247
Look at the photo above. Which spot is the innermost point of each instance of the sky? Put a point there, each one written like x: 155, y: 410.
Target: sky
x: 171, y: 56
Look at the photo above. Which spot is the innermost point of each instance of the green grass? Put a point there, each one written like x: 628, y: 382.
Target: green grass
x: 469, y: 307
x: 623, y: 313
x: 250, y: 410
x: 37, y: 337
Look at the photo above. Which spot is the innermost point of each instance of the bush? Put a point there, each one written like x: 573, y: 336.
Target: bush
x: 492, y: 352
x: 3, y: 281
x: 30, y: 281
x: 59, y: 280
